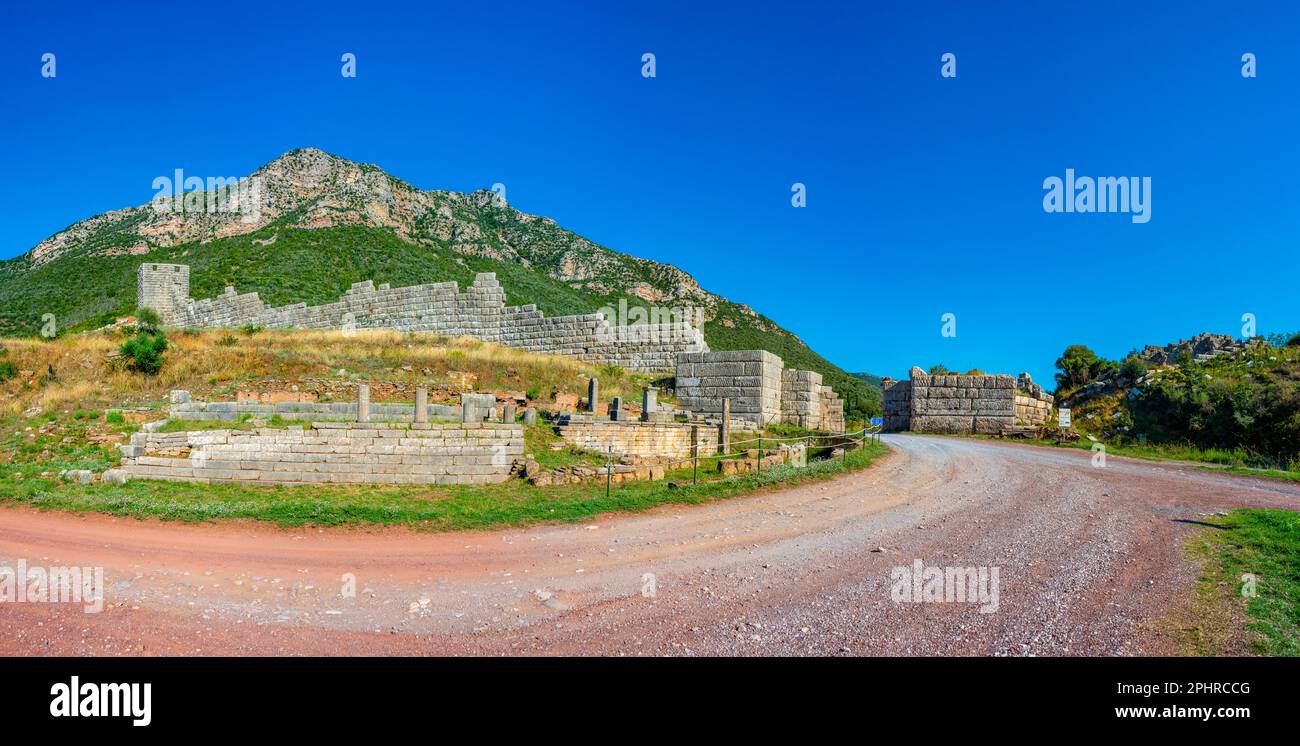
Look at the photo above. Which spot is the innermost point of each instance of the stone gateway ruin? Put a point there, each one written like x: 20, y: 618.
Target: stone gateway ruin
x: 952, y: 403
x: 480, y: 312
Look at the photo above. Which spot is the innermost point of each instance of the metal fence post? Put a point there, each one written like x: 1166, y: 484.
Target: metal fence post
x: 609, y: 470
x: 760, y: 454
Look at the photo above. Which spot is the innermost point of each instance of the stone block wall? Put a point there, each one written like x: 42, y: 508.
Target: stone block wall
x: 751, y: 379
x: 806, y: 402
x: 1032, y: 411
x: 962, y: 404
x: 163, y: 287
x: 480, y: 311
x: 801, y: 401
x: 289, y: 410
x: 953, y: 403
x: 896, y: 399
x: 330, y: 452
x: 832, y: 410
x: 666, y: 439
x: 1033, y: 405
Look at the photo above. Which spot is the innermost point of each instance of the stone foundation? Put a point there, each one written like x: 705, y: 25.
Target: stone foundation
x: 330, y: 452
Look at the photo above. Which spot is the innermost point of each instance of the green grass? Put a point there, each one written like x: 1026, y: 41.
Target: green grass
x: 539, y: 440
x: 1265, y: 544
x: 1235, y: 461
x: 431, y: 509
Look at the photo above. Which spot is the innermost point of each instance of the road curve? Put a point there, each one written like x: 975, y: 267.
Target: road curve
x: 1089, y: 562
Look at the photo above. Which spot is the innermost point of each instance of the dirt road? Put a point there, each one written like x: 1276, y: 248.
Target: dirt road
x: 1089, y: 562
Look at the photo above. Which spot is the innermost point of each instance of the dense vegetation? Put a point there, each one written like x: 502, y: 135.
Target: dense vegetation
x: 1246, y: 402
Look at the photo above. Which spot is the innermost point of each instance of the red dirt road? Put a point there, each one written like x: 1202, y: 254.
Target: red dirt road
x: 1089, y: 560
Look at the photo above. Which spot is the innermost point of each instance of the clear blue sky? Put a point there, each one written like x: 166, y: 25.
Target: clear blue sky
x: 924, y: 193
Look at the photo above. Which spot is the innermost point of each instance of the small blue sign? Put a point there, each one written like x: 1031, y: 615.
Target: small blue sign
x: 877, y: 421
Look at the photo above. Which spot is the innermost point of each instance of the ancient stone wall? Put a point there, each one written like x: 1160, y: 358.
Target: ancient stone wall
x: 962, y: 404
x: 951, y: 403
x: 1032, y: 411
x: 668, y: 439
x: 163, y: 287
x: 440, y: 308
x: 233, y: 411
x: 330, y: 452
x: 751, y: 379
x: 832, y: 410
x: 896, y: 400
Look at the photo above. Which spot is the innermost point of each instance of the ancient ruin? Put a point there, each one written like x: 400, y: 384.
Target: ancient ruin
x: 330, y: 452
x: 759, y: 389
x: 480, y: 312
x: 951, y: 403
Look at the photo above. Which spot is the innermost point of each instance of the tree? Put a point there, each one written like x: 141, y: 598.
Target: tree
x: 939, y: 369
x: 1078, y: 365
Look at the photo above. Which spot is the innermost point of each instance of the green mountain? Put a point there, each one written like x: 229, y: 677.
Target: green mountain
x: 311, y: 224
x: 870, y: 378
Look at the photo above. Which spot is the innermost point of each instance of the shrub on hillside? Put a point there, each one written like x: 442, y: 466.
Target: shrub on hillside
x: 1217, y: 407
x: 144, y: 352
x: 1133, y: 367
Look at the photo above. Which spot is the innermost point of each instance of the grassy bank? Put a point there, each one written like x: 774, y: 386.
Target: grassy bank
x: 1263, y: 545
x: 1235, y: 461
x: 423, y: 508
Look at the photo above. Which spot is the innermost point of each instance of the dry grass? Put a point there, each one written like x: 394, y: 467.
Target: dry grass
x: 211, y: 363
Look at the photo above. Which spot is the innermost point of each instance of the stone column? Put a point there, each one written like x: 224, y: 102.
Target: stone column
x: 468, y: 410
x: 724, y: 436
x: 421, y: 404
x: 530, y: 416
x: 616, y: 409
x: 363, y: 402
x: 649, y: 403
x: 508, y: 413
x: 593, y: 390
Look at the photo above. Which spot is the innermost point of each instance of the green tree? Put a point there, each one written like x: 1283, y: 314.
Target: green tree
x: 1078, y: 366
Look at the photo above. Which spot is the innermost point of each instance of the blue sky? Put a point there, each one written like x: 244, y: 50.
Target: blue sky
x: 924, y: 193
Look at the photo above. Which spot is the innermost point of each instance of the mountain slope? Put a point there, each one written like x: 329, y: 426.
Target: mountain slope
x: 321, y: 223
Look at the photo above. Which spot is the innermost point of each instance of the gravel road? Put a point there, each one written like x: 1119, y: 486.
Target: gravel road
x: 1089, y: 561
